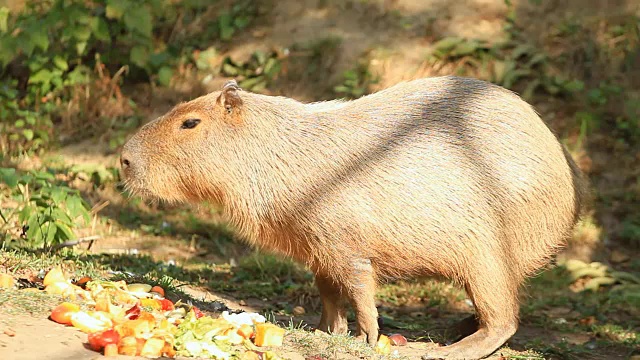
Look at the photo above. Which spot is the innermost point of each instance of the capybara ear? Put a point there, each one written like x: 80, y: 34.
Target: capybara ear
x: 229, y: 96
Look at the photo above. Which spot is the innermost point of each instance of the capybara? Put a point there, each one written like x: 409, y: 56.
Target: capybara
x: 449, y: 177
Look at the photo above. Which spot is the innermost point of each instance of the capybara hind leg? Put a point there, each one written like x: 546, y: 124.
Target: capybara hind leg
x: 361, y: 287
x: 465, y: 327
x: 496, y: 302
x: 334, y: 313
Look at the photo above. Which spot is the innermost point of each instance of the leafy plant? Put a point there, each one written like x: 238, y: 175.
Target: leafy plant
x: 256, y: 73
x: 507, y: 64
x: 37, y: 211
x: 357, y: 81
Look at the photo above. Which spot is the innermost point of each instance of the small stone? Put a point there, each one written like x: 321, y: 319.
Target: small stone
x: 242, y: 303
x: 10, y: 332
x: 298, y: 311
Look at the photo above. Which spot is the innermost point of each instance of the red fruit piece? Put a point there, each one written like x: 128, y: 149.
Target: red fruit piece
x: 166, y: 304
x: 97, y: 341
x: 134, y: 312
x: 397, y: 340
x: 197, y: 312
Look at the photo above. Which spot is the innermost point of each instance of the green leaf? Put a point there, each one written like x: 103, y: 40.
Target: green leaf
x: 138, y: 19
x: 30, y: 118
x: 19, y: 123
x: 64, y: 232
x: 40, y: 77
x: 447, y: 44
x: 60, y: 63
x: 100, y: 29
x: 76, y: 208
x: 33, y: 232
x: 272, y: 68
x: 59, y: 215
x: 4, y: 16
x: 80, y: 47
x: 204, y: 58
x: 39, y: 38
x: 116, y: 8
x: 9, y: 177
x: 51, y: 229
x: 28, y: 134
x: 164, y: 75
x: 241, y: 22
x: 58, y: 195
x: 82, y: 33
x: 225, y: 25
x: 465, y: 48
x: 139, y: 55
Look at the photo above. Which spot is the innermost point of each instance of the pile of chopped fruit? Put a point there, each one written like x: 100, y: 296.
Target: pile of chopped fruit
x: 137, y: 320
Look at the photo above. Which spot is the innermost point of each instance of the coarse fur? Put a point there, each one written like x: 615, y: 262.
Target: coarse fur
x: 445, y: 176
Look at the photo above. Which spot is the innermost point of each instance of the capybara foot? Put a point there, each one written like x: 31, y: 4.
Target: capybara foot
x: 464, y: 327
x: 480, y: 344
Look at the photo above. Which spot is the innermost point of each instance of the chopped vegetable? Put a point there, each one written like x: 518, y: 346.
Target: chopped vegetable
x: 269, y: 335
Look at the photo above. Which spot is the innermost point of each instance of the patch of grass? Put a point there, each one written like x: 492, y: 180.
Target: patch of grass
x: 21, y: 302
x: 427, y: 293
x: 617, y: 334
x: 22, y: 263
x: 327, y: 346
x: 559, y: 350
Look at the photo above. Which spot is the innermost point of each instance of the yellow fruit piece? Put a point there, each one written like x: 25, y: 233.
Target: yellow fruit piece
x: 128, y: 346
x: 269, y: 335
x: 134, y: 328
x: 151, y: 303
x: 111, y: 350
x: 383, y: 347
x: 89, y: 324
x: 61, y: 288
x: 54, y: 275
x: 7, y: 281
x: 152, y: 348
x: 246, y: 331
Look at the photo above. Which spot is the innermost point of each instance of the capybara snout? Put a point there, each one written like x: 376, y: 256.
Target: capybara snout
x: 445, y: 176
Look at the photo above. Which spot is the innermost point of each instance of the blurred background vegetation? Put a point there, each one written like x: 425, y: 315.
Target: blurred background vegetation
x: 79, y: 76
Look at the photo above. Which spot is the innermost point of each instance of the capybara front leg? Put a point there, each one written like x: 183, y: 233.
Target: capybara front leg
x: 361, y: 287
x: 334, y: 313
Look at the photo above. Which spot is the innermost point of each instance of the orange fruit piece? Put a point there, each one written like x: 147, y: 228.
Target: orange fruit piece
x: 63, y: 312
x: 158, y: 289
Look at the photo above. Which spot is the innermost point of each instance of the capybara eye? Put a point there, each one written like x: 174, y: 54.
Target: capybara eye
x: 190, y: 123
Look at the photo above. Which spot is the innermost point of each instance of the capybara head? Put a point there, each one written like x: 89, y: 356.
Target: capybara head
x: 181, y: 156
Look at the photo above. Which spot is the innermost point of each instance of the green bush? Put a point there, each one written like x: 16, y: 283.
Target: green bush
x: 51, y: 50
x: 37, y: 211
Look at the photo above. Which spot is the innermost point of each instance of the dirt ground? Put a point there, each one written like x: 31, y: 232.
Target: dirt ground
x: 397, y: 46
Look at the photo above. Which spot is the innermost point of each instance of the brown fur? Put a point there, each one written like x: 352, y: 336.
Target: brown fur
x: 443, y: 176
